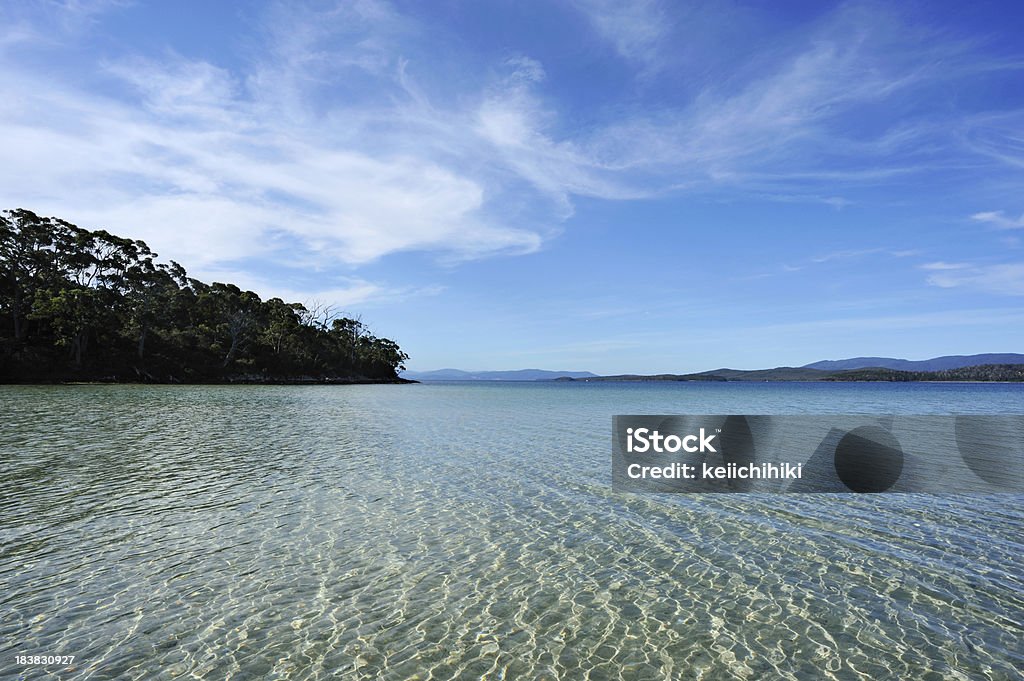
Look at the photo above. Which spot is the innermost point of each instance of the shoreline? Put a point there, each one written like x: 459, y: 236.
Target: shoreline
x: 231, y: 381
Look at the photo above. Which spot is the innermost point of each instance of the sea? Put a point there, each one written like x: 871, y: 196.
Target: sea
x: 470, y: 531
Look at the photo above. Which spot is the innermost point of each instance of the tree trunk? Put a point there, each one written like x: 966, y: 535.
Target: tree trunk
x: 231, y: 352
x: 16, y: 313
x: 76, y: 348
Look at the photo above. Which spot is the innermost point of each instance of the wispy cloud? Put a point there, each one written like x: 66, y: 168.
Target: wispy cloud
x: 1003, y: 278
x: 997, y: 136
x: 924, y: 320
x: 848, y: 254
x: 339, y: 292
x: 999, y: 219
x: 197, y: 163
x: 331, y: 145
x: 637, y: 30
x: 34, y: 25
x: 941, y: 266
x: 837, y: 202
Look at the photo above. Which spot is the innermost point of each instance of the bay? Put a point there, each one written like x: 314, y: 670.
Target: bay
x: 469, y: 530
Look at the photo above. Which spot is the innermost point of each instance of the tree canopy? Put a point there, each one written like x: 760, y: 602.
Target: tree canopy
x: 88, y: 305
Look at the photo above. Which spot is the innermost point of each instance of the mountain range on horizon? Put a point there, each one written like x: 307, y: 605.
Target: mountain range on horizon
x: 934, y: 364
x: 944, y: 363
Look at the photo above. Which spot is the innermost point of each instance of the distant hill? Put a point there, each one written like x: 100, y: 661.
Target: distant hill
x: 1007, y: 373
x: 987, y: 367
x: 516, y: 375
x: 935, y: 364
x: 777, y: 374
x: 985, y: 372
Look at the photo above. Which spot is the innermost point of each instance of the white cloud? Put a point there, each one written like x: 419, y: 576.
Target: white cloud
x: 515, y: 127
x: 202, y: 173
x: 846, y: 254
x: 21, y: 25
x: 635, y: 29
x: 997, y: 135
x: 856, y: 254
x: 1004, y: 279
x: 940, y: 320
x: 944, y: 266
x: 1000, y: 220
x: 341, y: 293
x: 178, y: 87
x: 332, y: 148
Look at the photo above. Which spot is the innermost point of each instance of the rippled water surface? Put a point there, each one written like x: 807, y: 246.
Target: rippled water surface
x: 469, y: 531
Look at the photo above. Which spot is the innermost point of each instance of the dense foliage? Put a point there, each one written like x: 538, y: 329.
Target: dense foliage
x: 82, y: 305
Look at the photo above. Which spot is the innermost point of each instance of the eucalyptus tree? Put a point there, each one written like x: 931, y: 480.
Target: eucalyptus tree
x: 92, y: 304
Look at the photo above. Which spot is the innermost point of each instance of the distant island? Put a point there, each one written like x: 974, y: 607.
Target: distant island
x: 86, y: 305
x: 1006, y: 373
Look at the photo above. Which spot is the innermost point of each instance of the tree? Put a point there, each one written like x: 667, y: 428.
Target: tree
x: 73, y: 313
x: 28, y: 245
x: 348, y: 333
x: 149, y: 290
x: 92, y: 304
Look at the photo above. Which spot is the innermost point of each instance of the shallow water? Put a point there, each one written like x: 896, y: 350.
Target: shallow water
x: 470, y: 531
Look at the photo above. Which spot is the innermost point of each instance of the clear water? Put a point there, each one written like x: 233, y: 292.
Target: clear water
x: 469, y: 531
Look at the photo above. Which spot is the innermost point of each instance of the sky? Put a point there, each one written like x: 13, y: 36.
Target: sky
x: 571, y: 185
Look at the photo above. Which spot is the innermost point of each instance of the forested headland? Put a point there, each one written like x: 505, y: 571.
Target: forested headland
x: 80, y: 305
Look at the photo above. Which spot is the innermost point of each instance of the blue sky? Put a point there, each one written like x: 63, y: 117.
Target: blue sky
x: 583, y: 184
